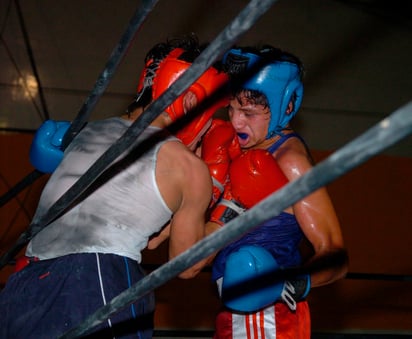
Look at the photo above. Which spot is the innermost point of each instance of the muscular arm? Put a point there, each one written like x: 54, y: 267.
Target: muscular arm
x: 188, y: 222
x: 317, y: 219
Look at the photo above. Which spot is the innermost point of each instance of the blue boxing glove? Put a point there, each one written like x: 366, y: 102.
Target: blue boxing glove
x: 247, y: 285
x: 243, y: 285
x: 45, y: 151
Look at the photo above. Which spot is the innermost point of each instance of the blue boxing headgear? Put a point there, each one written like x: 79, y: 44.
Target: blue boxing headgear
x: 279, y: 80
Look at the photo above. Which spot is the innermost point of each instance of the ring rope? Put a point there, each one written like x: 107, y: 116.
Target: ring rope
x: 20, y: 186
x: 106, y: 75
x: 349, y: 275
x: 245, y: 19
x: 100, y: 86
x: 381, y: 136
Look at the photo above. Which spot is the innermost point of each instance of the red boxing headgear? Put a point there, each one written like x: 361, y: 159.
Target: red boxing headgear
x: 169, y: 70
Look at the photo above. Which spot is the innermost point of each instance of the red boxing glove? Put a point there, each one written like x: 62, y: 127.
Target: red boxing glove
x: 254, y: 175
x: 219, y: 146
x: 227, y: 208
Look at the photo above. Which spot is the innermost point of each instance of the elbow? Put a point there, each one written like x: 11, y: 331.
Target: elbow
x: 189, y: 274
x: 340, y: 264
x: 329, y: 267
x: 193, y: 271
x: 345, y: 263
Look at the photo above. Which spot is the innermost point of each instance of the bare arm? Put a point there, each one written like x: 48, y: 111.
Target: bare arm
x: 188, y: 223
x: 318, y: 220
x: 158, y: 238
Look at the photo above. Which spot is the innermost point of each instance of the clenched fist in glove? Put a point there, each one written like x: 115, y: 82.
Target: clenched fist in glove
x: 253, y: 176
x: 254, y: 280
x: 45, y: 151
x: 220, y: 145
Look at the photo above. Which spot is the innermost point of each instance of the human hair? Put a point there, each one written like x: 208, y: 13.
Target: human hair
x: 251, y: 96
x: 188, y: 42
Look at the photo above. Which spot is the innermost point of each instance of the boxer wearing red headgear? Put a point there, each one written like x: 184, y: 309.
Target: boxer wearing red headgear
x: 92, y: 252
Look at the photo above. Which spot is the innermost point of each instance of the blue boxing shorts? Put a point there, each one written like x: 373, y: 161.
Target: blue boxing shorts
x: 50, y: 297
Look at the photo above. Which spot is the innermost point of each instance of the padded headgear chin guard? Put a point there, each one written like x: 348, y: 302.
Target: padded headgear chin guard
x: 167, y: 72
x: 278, y: 80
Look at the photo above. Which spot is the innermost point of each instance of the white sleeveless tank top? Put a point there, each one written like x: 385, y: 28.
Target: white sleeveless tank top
x: 120, y: 213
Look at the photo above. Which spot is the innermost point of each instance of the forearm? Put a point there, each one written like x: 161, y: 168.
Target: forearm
x: 210, y: 227
x: 159, y: 238
x: 327, y: 268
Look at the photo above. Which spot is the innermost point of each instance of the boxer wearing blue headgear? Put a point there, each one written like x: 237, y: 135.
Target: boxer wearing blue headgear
x: 278, y: 79
x: 254, y: 269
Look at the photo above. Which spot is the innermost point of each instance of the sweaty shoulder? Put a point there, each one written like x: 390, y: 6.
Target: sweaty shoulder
x: 180, y: 174
x: 293, y: 158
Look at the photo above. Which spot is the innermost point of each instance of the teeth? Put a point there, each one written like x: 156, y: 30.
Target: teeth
x: 242, y: 136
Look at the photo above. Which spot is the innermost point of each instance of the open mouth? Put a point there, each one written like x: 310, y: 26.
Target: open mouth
x: 242, y: 136
x: 243, y: 139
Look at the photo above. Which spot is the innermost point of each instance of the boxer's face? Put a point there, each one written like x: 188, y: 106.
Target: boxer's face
x: 250, y: 120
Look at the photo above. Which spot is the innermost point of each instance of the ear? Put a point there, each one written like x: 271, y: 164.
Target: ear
x: 189, y: 101
x: 290, y: 107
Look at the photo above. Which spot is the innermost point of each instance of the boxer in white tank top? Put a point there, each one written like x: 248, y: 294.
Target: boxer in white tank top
x: 91, y: 253
x: 120, y: 215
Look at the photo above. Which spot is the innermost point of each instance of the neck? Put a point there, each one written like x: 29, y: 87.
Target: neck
x: 160, y: 121
x: 265, y: 144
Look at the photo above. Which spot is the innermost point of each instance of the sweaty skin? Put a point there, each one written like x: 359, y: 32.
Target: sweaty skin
x: 315, y: 213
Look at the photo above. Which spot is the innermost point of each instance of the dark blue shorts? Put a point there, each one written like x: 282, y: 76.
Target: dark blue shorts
x: 50, y: 297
